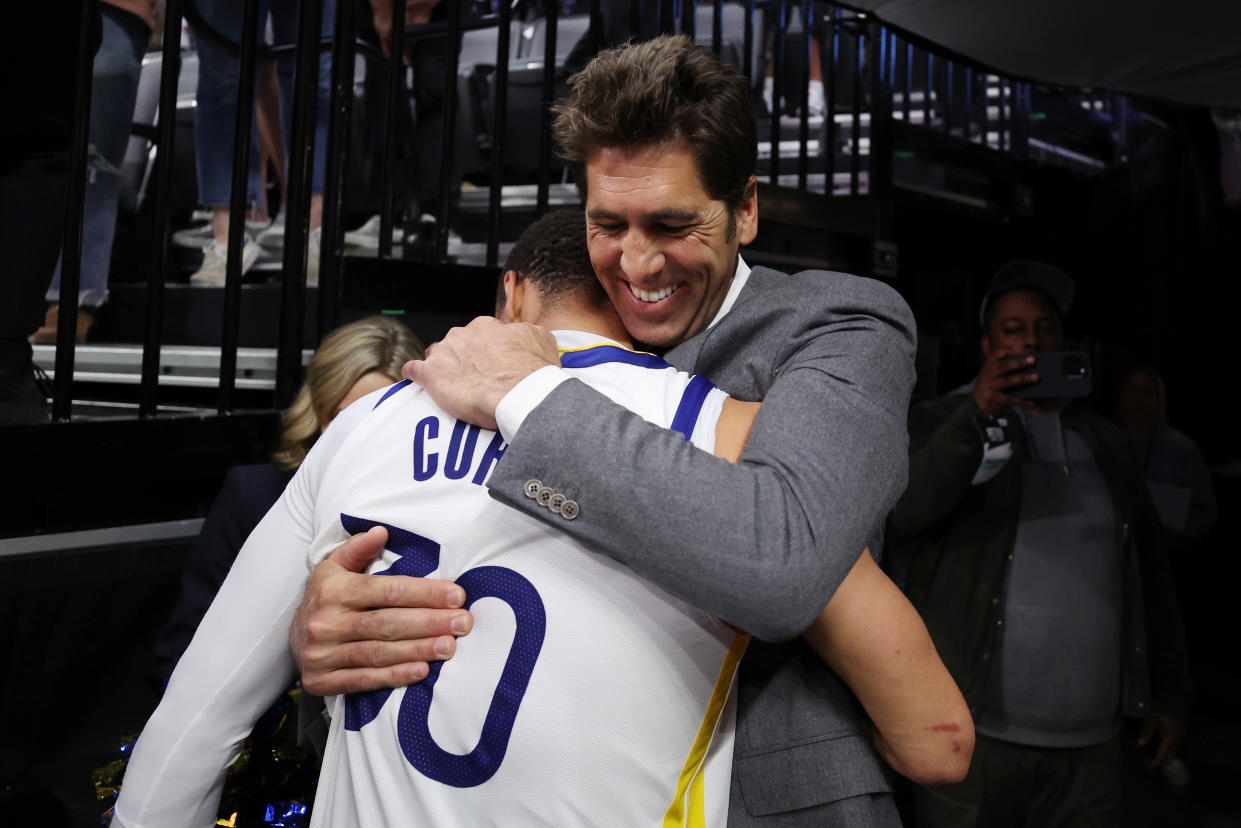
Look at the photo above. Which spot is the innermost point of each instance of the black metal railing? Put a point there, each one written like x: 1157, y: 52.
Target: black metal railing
x: 877, y: 83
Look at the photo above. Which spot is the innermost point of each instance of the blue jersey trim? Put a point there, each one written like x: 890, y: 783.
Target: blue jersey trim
x: 391, y: 391
x: 691, y: 405
x: 599, y: 354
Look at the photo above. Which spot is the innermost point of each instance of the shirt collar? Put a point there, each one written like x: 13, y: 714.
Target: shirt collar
x: 739, y: 279
x: 568, y: 340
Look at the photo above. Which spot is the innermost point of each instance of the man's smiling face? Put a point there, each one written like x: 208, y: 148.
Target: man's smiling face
x: 663, y: 248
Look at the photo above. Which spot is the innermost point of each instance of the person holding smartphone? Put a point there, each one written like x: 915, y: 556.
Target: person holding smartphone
x: 1038, y: 566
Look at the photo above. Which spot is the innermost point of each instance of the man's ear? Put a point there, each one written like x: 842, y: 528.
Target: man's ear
x: 985, y: 344
x: 747, y: 213
x: 514, y: 288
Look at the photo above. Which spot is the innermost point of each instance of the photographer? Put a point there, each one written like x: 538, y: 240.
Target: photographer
x: 1039, y: 570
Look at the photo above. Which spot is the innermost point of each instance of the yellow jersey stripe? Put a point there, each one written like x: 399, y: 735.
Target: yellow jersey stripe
x: 687, y: 808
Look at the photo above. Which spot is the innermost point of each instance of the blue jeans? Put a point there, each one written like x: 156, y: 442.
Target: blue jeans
x: 114, y: 88
x: 216, y: 109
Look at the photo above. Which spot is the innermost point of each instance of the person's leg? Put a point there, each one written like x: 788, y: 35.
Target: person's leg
x: 215, y: 116
x: 284, y: 29
x: 1080, y: 788
x: 114, y: 88
x: 32, y: 207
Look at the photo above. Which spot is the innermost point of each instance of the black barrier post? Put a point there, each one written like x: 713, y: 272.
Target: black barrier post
x: 879, y: 171
x: 297, y: 212
x: 950, y: 96
x: 906, y: 104
x: 803, y: 133
x: 667, y: 17
x: 969, y: 103
x: 832, y: 60
x: 500, y: 130
x: 717, y: 25
x: 545, y: 106
x: 170, y: 70
x: 396, y: 98
x: 748, y: 57
x: 75, y: 199
x: 596, y: 26
x: 1003, y: 137
x: 689, y: 18
x: 344, y: 50
x: 777, y: 86
x: 448, y: 151
x: 855, y: 157
x: 237, y: 204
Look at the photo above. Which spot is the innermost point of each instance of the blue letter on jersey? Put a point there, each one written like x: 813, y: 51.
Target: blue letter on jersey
x: 459, y: 458
x: 419, y: 556
x: 424, y: 466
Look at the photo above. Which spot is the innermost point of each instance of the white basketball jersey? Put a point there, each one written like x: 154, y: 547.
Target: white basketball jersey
x: 584, y: 695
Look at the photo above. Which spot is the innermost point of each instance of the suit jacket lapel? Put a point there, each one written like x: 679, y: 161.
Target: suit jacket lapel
x: 688, y: 355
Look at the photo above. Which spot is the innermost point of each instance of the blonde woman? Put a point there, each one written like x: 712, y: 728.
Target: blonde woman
x: 352, y: 361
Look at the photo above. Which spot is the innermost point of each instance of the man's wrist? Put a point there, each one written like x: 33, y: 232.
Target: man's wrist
x: 514, y: 406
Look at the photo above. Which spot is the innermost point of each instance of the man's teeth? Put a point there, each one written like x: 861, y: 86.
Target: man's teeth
x: 652, y: 295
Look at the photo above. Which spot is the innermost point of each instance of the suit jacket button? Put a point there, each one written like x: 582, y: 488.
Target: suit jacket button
x: 556, y: 502
x: 532, y: 488
x: 544, y: 496
x: 570, y: 510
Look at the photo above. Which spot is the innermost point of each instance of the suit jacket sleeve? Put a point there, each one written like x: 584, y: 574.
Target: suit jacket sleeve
x: 763, y: 543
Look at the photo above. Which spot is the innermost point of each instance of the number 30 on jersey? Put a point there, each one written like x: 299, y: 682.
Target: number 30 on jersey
x: 419, y: 556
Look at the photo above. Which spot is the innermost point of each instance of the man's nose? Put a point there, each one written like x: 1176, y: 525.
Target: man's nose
x: 640, y: 256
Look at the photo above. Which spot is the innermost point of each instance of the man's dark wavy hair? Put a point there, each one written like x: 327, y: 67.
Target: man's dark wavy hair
x: 664, y: 89
x: 552, y: 254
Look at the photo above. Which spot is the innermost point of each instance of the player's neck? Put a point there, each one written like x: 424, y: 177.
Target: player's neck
x: 599, y: 322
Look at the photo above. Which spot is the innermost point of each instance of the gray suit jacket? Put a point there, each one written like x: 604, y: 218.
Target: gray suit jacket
x: 763, y: 543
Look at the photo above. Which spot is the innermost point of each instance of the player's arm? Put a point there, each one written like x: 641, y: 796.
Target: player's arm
x: 236, y: 665
x: 874, y: 639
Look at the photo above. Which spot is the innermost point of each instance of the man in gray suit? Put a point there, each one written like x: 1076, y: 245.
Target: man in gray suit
x: 664, y: 142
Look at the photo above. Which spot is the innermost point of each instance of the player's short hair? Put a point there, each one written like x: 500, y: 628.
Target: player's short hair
x: 375, y: 344
x: 552, y: 254
x: 669, y: 88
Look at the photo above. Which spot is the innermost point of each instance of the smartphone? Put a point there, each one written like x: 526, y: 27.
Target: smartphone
x: 1061, y: 374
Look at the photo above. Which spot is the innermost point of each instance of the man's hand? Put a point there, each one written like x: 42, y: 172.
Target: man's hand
x: 1171, y: 731
x: 470, y: 370
x: 343, y: 646
x: 1001, y: 371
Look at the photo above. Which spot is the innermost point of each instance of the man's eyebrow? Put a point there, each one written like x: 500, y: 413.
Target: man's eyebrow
x: 670, y: 214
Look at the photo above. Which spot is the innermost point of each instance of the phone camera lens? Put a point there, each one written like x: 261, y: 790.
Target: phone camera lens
x: 1074, y: 366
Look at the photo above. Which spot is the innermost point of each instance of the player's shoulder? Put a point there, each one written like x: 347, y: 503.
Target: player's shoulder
x: 361, y: 410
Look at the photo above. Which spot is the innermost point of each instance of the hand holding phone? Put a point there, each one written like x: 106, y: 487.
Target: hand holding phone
x: 1061, y: 375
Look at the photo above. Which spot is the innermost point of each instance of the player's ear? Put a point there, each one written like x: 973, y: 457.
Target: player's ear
x: 513, y: 290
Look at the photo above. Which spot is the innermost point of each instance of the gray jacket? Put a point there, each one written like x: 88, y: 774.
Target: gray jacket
x: 764, y: 543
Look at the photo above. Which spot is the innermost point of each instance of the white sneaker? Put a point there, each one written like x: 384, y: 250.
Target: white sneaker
x: 312, y: 256
x: 273, y: 237
x: 214, y: 270
x: 816, y: 102
x: 194, y: 238
x: 367, y: 236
